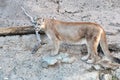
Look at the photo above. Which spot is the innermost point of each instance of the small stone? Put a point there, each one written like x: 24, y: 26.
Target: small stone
x: 5, y: 78
x: 107, y: 77
x: 97, y: 67
x: 0, y: 67
x: 44, y: 64
x: 117, y: 73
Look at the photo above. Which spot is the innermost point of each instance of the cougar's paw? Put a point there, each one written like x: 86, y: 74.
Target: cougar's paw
x: 85, y: 58
x: 90, y: 61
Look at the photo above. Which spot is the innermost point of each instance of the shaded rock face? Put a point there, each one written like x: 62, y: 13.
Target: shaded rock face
x: 16, y: 62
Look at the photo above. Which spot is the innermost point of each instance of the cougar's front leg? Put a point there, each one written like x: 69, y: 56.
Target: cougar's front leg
x: 55, y: 47
x: 54, y: 42
x: 85, y: 58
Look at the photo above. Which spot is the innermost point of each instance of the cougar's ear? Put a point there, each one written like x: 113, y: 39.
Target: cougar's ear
x: 52, y: 17
x: 40, y: 19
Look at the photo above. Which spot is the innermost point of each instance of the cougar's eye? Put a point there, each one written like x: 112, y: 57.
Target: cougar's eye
x: 39, y: 24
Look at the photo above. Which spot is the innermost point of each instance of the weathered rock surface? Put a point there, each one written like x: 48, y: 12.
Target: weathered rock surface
x: 16, y: 62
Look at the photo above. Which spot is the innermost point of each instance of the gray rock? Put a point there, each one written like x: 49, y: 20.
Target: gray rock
x: 117, y: 73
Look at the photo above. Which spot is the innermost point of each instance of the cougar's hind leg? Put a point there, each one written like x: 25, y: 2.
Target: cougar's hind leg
x: 91, y: 53
x: 92, y: 49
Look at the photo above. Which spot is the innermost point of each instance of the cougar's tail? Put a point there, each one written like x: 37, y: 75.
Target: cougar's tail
x: 104, y: 46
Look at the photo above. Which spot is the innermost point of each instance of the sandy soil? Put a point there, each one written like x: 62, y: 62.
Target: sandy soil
x: 16, y: 62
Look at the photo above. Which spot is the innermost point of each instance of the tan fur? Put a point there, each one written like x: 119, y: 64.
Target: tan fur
x: 75, y: 33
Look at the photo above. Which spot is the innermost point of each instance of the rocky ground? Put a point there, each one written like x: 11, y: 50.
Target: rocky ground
x: 16, y: 62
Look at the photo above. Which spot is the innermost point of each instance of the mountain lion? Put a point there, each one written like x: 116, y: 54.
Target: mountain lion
x: 89, y: 33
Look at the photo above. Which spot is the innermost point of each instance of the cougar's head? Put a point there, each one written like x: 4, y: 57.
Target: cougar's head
x: 40, y: 23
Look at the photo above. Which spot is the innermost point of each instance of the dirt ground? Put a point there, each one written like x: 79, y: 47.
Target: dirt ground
x: 16, y: 62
